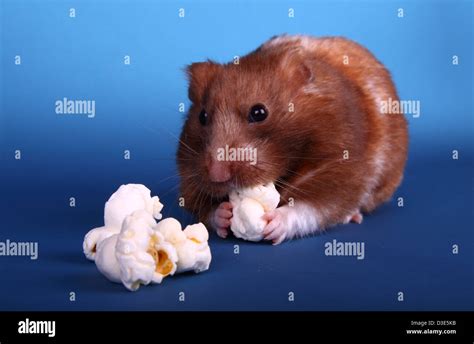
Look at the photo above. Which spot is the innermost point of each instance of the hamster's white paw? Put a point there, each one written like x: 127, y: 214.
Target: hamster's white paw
x: 276, y: 229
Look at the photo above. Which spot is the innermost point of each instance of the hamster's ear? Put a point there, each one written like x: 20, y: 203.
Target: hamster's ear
x: 296, y: 68
x: 200, y: 75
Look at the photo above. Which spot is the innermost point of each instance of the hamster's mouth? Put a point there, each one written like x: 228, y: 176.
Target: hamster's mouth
x: 220, y: 189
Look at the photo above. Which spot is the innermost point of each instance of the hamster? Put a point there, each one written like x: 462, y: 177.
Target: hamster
x: 311, y: 109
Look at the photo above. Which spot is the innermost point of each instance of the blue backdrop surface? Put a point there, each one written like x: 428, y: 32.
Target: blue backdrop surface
x: 50, y: 50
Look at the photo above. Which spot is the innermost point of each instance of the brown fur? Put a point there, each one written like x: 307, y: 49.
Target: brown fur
x: 334, y: 110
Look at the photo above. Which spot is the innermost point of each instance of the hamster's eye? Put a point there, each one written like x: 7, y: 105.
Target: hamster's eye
x: 257, y: 113
x: 203, y: 117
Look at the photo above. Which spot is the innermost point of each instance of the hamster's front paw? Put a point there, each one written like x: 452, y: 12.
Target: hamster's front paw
x: 276, y: 229
x: 221, y: 219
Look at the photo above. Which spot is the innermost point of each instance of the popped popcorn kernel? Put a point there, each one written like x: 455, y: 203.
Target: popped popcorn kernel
x: 143, y: 254
x: 106, y: 261
x: 127, y: 199
x: 191, y: 244
x: 94, y: 237
x: 133, y: 249
x: 249, y: 205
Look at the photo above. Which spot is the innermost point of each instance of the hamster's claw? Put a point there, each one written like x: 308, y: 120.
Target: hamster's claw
x: 275, y: 230
x: 222, y: 232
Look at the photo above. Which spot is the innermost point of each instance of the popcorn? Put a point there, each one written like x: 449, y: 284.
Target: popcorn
x: 127, y: 199
x: 191, y: 244
x: 132, y: 249
x: 143, y: 254
x: 248, y: 207
x: 194, y: 254
x: 94, y: 237
x: 105, y: 259
x: 171, y: 230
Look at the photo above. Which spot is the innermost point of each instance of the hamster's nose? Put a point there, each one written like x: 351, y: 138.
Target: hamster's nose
x: 219, y: 171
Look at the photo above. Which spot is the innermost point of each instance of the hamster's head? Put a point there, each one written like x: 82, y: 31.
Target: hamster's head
x: 244, y: 123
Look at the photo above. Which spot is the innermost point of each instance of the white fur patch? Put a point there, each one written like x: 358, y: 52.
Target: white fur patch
x: 311, y: 88
x: 304, y: 42
x: 301, y: 219
x: 378, y: 163
x: 372, y: 87
x: 281, y: 40
x: 377, y: 93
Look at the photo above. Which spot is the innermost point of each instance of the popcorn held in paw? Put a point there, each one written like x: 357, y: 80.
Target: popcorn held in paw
x: 248, y: 207
x: 143, y: 254
x: 123, y: 202
x: 191, y: 244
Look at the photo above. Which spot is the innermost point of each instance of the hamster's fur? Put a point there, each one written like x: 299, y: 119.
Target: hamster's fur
x: 324, y: 142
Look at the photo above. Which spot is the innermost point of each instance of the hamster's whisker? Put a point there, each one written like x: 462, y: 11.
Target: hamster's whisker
x: 279, y: 182
x: 212, y: 209
x: 319, y: 170
x: 187, y: 146
x: 164, y: 180
x: 202, y: 198
x: 195, y: 206
x: 295, y: 188
x: 190, y: 176
x: 173, y: 188
x: 171, y: 159
x: 304, y: 158
x: 292, y: 188
x: 276, y: 165
x: 176, y: 175
x: 173, y: 136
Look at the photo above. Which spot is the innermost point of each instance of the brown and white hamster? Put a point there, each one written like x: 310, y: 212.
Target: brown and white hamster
x: 312, y: 110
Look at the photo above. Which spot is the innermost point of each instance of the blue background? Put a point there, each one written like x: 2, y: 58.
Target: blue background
x: 407, y: 249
